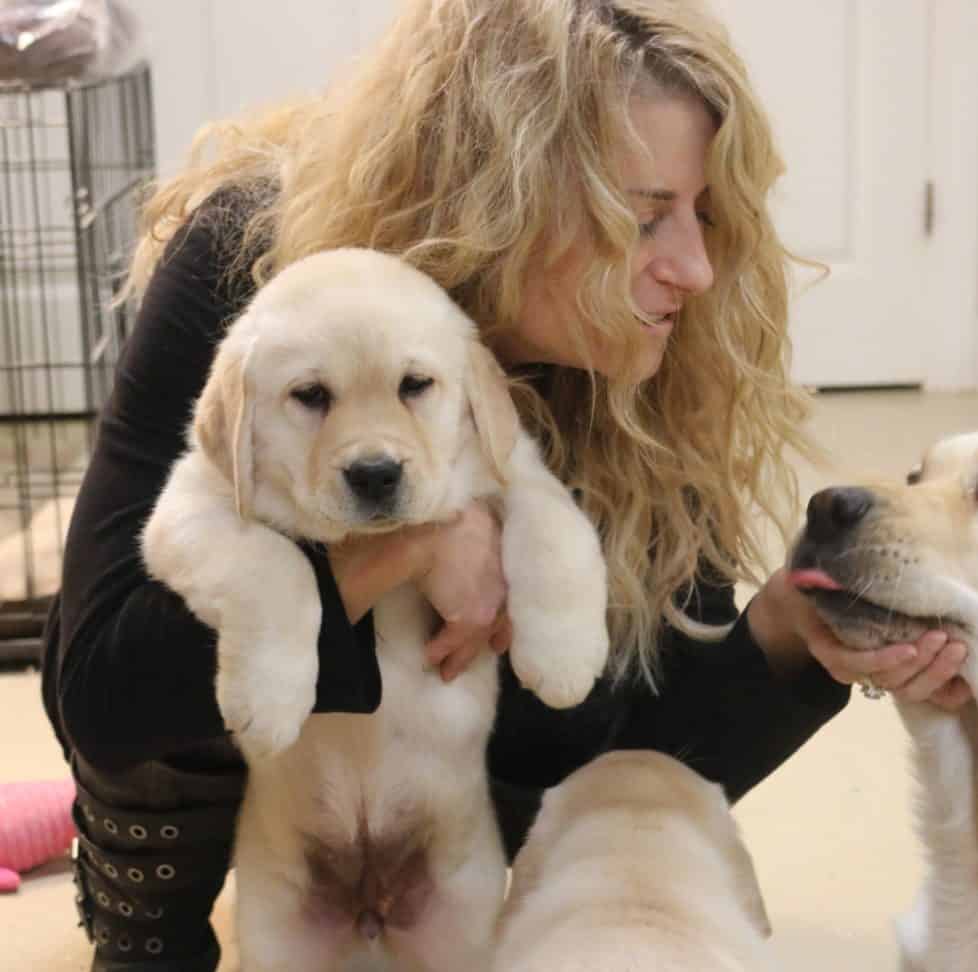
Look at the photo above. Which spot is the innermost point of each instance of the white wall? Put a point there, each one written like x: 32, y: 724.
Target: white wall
x: 214, y: 58
x: 180, y: 49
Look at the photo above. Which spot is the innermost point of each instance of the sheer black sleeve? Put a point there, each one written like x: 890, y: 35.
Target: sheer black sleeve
x: 721, y: 709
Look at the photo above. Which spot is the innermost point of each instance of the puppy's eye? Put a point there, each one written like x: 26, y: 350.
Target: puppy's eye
x: 915, y: 475
x: 414, y: 385
x: 314, y: 396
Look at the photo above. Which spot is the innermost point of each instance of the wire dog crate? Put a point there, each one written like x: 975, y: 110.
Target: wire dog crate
x: 74, y: 162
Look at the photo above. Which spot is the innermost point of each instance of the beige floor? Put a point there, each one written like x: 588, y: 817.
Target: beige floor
x: 830, y: 831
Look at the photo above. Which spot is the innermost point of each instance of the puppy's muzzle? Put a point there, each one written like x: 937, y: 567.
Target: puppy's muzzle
x: 375, y: 482
x: 833, y: 512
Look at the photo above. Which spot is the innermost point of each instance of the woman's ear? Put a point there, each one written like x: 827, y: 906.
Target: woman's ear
x: 496, y: 419
x: 224, y: 420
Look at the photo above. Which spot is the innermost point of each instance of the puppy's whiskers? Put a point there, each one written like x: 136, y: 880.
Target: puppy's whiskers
x: 896, y: 590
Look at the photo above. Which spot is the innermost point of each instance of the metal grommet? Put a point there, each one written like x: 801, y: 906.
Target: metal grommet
x: 110, y: 825
x: 135, y: 875
x: 169, y: 832
x: 154, y: 914
x: 103, y: 899
x: 124, y: 944
x: 165, y: 872
x: 111, y: 870
x: 138, y: 832
x: 102, y: 936
x: 154, y: 945
x: 125, y: 909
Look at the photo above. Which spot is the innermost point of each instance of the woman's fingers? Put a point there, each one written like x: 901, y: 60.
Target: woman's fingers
x: 502, y: 635
x: 901, y: 674
x: 924, y: 671
x: 936, y: 675
x: 460, y: 659
x: 457, y: 645
x: 850, y: 665
x: 953, y: 695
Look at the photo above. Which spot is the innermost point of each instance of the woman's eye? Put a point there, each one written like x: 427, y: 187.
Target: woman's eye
x: 414, y: 385
x: 313, y: 396
x: 647, y: 230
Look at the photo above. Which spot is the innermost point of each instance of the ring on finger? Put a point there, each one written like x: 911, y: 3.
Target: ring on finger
x: 870, y: 689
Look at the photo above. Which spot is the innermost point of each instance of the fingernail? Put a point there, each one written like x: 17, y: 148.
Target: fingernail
x: 436, y: 655
x: 908, y: 654
x: 937, y: 639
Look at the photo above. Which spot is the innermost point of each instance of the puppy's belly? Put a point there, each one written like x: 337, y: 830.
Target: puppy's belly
x: 371, y: 811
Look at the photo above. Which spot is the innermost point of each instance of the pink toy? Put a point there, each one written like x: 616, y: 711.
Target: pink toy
x: 35, y: 826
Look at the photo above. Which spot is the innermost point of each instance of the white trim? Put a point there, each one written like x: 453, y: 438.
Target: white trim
x: 951, y: 274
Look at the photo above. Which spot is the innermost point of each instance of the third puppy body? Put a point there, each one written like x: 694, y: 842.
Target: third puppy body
x: 634, y: 863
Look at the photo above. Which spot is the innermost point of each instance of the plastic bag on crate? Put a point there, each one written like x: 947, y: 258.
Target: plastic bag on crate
x: 50, y: 41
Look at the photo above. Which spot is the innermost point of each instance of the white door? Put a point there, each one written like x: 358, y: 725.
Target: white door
x: 845, y: 83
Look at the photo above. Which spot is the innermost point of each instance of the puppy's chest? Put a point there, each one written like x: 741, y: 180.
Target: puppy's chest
x: 416, y: 702
x: 422, y: 723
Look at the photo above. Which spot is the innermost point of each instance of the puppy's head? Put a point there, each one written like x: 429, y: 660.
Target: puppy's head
x: 655, y: 788
x: 885, y: 562
x: 350, y: 396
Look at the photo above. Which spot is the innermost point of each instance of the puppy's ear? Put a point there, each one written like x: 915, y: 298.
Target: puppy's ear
x: 496, y: 418
x: 224, y: 420
x: 748, y: 888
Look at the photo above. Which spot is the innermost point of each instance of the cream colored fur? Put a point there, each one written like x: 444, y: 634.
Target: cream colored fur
x: 914, y: 555
x: 634, y: 865
x: 262, y: 468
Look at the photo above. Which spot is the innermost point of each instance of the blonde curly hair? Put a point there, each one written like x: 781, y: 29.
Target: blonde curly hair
x: 480, y: 135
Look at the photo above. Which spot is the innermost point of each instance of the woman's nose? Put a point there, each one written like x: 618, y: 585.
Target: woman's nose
x: 685, y: 265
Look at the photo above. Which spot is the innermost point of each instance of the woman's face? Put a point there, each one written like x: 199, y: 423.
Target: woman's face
x: 669, y: 264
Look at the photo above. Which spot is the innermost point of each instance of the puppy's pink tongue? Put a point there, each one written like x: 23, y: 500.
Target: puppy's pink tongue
x: 810, y: 578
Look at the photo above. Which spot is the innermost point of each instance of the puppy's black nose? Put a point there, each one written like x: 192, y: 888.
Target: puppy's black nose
x: 375, y: 479
x: 832, y: 512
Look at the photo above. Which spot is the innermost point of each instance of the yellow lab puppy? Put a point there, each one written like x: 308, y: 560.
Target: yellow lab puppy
x: 351, y: 397
x: 634, y: 865
x: 885, y: 563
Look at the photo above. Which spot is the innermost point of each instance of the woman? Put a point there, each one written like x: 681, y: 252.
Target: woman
x: 588, y: 179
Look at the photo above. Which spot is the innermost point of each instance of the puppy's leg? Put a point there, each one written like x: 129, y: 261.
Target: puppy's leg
x: 271, y: 931
x: 940, y: 933
x: 455, y: 934
x: 911, y: 931
x: 255, y: 587
x: 557, y: 581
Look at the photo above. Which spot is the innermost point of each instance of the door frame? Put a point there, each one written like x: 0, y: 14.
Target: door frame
x: 951, y: 272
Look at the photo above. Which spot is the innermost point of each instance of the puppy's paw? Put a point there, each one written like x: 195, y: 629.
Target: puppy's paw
x: 265, y: 691
x: 559, y: 661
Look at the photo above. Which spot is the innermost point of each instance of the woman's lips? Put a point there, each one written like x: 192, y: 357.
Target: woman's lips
x: 661, y: 322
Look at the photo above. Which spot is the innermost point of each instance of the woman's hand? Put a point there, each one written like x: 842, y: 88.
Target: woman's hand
x: 456, y: 565
x: 787, y: 627
x: 464, y: 583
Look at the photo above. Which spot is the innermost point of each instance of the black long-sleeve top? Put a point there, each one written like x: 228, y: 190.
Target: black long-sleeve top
x: 128, y: 673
